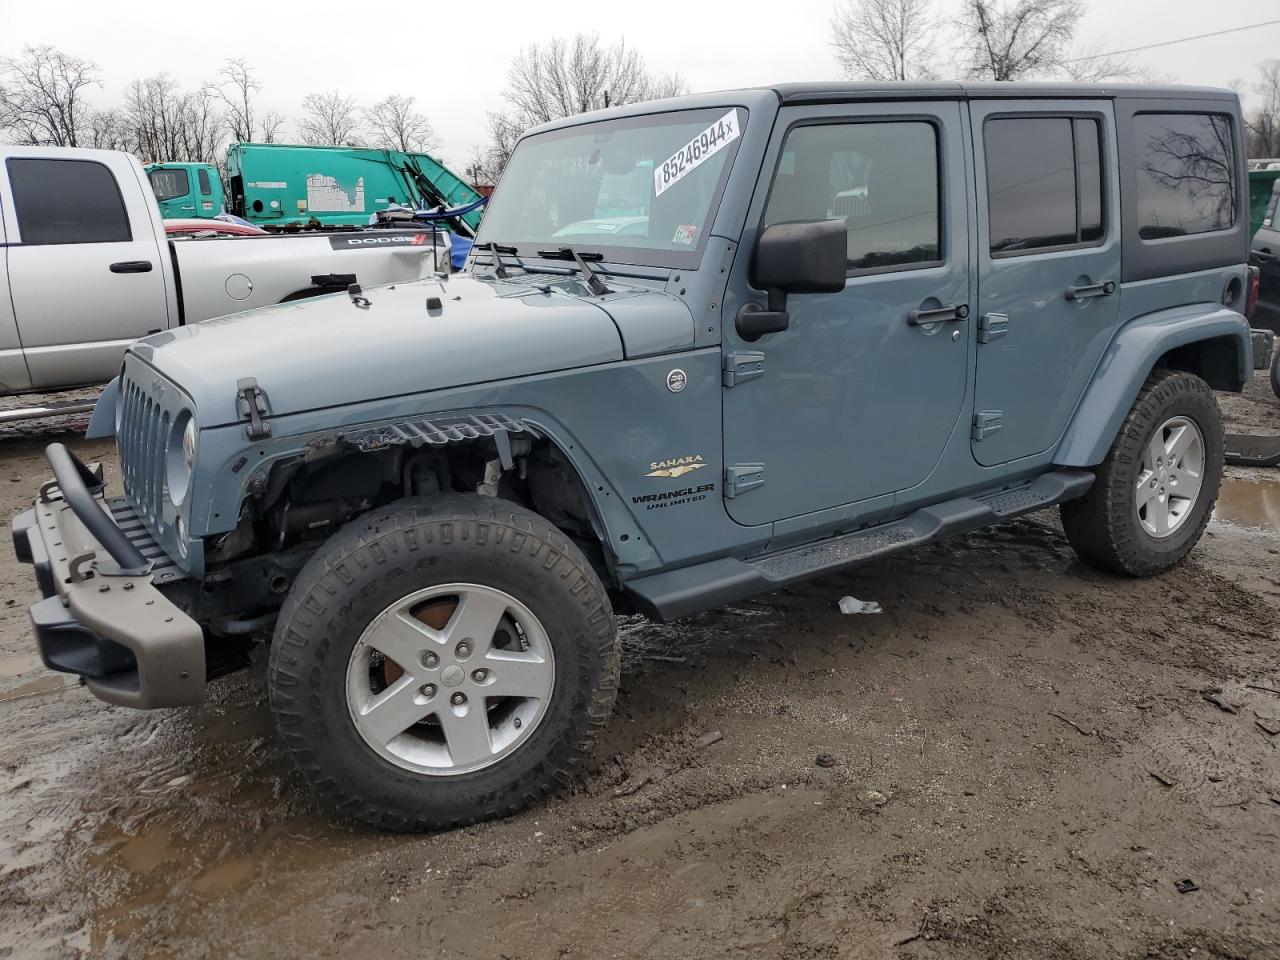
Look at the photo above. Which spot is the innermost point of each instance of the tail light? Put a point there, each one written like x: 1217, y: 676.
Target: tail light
x: 1251, y: 301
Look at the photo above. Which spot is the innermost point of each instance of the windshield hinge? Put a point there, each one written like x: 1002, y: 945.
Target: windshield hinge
x: 253, y: 405
x: 742, y: 365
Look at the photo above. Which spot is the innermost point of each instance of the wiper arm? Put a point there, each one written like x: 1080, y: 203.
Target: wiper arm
x: 500, y: 268
x: 594, y: 283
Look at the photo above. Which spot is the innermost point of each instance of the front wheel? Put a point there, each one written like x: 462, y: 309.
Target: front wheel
x: 1156, y: 488
x: 443, y: 661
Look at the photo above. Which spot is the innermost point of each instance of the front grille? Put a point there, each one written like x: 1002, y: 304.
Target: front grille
x: 141, y: 440
x: 163, y: 569
x: 852, y: 205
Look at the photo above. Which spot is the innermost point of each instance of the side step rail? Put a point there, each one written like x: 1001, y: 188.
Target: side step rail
x: 681, y: 593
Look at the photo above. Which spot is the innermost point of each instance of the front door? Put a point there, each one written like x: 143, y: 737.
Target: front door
x: 859, y: 396
x: 85, y: 275
x: 1048, y: 267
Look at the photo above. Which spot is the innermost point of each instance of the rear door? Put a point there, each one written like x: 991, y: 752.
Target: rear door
x: 84, y: 269
x: 13, y: 367
x: 1048, y: 266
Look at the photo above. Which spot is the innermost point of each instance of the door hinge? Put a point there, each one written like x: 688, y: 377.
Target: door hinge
x: 987, y: 422
x: 252, y: 404
x: 742, y: 477
x: 742, y: 365
x: 992, y: 326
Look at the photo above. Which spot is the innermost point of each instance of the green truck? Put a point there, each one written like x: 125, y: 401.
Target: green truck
x: 1263, y: 175
x: 285, y: 186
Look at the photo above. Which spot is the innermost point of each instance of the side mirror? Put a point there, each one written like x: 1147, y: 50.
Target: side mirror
x: 805, y: 257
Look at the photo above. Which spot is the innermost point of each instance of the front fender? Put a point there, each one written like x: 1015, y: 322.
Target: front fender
x: 102, y: 422
x: 1128, y: 362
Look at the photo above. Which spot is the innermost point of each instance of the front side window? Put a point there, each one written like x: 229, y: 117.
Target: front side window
x: 168, y: 183
x: 635, y: 189
x: 881, y: 178
x: 1044, y: 183
x: 203, y: 176
x: 67, y: 201
x: 1186, y: 181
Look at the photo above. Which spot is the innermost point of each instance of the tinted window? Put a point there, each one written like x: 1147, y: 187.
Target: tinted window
x: 203, y: 176
x: 167, y: 184
x: 881, y: 178
x: 1186, y: 180
x: 67, y: 201
x: 1089, y: 179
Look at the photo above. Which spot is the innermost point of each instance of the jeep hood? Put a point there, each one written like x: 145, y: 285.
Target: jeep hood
x: 331, y: 351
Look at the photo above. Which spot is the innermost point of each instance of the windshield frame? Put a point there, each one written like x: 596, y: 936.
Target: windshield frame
x: 627, y: 254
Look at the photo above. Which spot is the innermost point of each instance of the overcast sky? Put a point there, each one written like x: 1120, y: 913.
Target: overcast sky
x: 453, y: 56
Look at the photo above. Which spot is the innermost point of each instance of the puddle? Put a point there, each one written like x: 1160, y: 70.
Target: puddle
x: 1249, y: 503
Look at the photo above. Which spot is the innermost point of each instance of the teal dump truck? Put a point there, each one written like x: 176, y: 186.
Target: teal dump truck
x: 284, y: 186
x: 1262, y: 177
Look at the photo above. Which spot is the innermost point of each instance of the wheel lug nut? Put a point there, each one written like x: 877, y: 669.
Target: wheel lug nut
x: 464, y: 649
x: 428, y: 690
x: 430, y: 660
x: 458, y: 699
x: 479, y: 676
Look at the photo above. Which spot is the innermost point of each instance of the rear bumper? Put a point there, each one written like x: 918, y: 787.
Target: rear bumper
x: 101, y: 616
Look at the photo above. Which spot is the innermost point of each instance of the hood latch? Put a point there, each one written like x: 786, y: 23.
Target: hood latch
x: 253, y: 405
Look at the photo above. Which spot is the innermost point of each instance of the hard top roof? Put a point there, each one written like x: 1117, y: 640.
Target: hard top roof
x: 836, y: 92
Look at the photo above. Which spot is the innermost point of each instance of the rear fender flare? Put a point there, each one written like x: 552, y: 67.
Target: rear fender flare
x: 1133, y: 353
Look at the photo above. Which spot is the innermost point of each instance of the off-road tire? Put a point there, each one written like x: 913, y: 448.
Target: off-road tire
x: 1103, y: 525
x: 1275, y: 372
x: 387, y: 554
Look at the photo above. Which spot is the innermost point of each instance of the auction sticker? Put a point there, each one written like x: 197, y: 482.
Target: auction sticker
x: 695, y: 153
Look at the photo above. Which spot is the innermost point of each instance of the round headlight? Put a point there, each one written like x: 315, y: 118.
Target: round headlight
x: 189, y: 443
x: 180, y: 456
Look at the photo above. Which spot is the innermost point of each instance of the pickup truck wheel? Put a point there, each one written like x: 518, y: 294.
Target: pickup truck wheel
x: 442, y: 661
x: 1156, y: 489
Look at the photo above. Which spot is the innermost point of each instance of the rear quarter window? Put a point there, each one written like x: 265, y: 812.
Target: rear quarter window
x: 1186, y: 174
x: 66, y: 201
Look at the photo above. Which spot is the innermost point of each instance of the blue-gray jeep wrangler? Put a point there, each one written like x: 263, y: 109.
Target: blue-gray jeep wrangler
x: 704, y: 348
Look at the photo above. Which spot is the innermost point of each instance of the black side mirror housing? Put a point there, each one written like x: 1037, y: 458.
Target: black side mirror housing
x: 804, y: 257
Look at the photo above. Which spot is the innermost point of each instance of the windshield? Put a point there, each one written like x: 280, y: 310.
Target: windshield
x: 635, y: 189
x: 169, y: 183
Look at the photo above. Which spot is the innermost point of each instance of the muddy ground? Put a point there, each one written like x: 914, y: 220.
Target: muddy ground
x: 1028, y: 758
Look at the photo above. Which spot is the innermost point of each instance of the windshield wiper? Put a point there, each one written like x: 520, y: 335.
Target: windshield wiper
x: 594, y: 283
x: 500, y: 268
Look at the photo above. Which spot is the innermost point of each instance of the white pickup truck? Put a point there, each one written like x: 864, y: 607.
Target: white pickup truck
x: 87, y: 269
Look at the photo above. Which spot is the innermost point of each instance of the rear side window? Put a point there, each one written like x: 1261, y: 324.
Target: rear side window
x: 203, y: 176
x: 1044, y: 183
x: 1186, y: 174
x: 66, y: 201
x: 880, y: 178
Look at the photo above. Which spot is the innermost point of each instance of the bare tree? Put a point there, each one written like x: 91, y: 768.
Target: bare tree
x: 42, y: 96
x: 235, y: 89
x: 271, y: 126
x: 563, y: 77
x: 1014, y: 39
x: 106, y: 130
x: 329, y: 120
x: 395, y: 125
x: 163, y: 122
x: 885, y: 39
x: 1263, y: 121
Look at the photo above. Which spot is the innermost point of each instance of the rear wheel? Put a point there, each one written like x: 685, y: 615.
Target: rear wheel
x: 1156, y: 488
x: 443, y: 661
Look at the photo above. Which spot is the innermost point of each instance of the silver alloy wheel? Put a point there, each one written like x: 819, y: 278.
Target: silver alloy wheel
x: 1170, y: 477
x: 456, y: 698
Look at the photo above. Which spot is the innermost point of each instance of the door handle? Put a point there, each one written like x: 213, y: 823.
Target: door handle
x: 920, y: 318
x: 1263, y: 256
x: 131, y: 266
x: 1104, y: 289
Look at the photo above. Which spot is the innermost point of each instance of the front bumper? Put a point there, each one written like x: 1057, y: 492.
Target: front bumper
x: 101, y: 616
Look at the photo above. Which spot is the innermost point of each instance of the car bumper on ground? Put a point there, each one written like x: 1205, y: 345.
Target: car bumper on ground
x: 1263, y: 345
x: 101, y: 616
